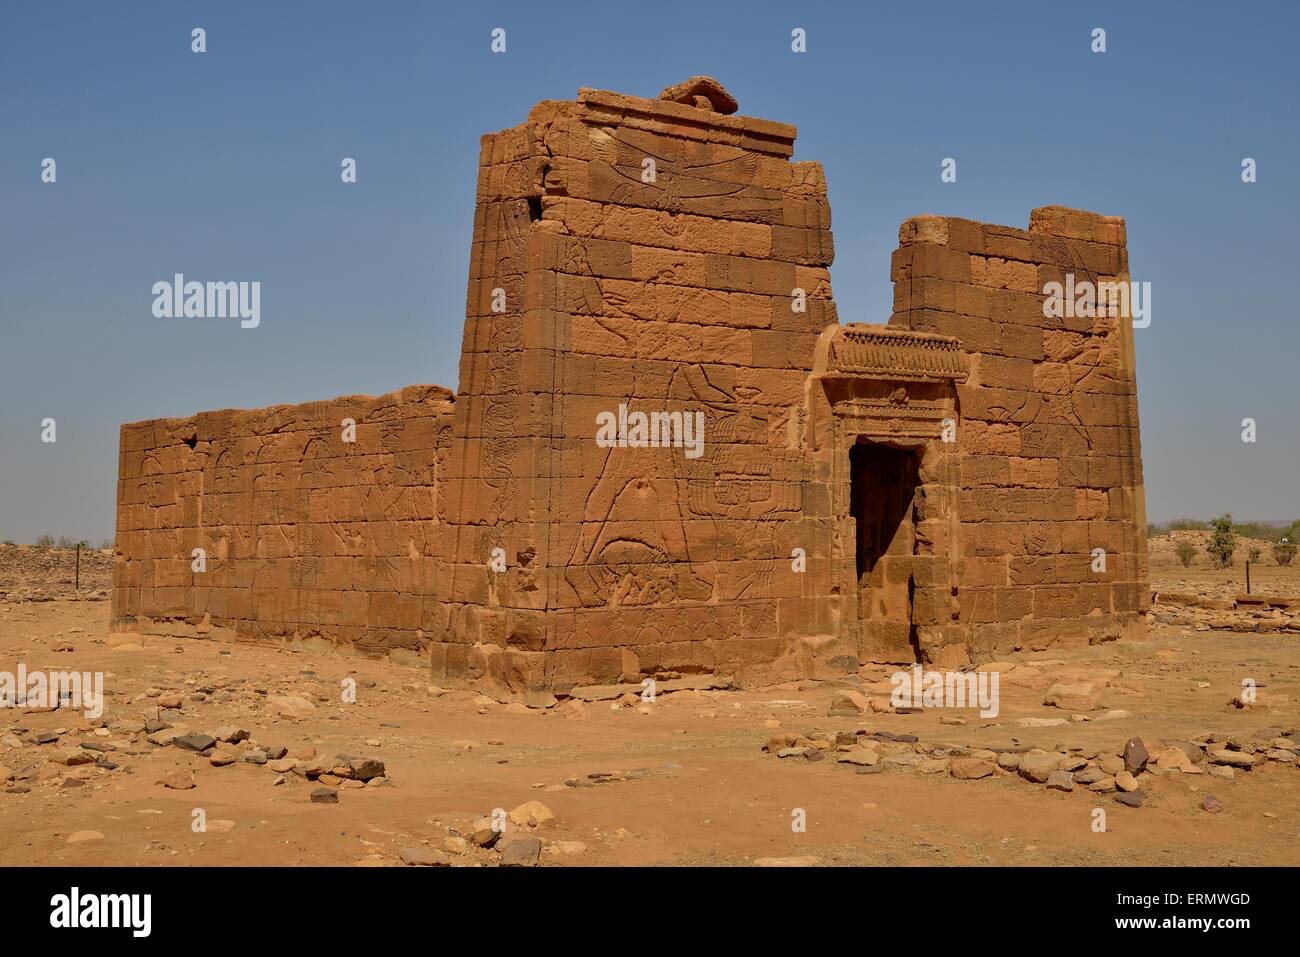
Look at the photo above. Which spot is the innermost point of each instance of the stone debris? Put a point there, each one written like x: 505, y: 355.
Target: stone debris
x: 424, y: 857
x: 178, y: 780
x: 1065, y: 769
x: 970, y: 769
x: 519, y: 851
x: 531, y: 814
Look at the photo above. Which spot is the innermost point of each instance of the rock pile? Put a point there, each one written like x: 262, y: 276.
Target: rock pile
x: 1124, y: 773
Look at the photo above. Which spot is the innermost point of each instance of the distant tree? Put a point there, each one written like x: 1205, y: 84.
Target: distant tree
x: 1223, y: 542
x: 1185, y: 550
x: 1284, y: 551
x: 45, y: 541
x: 108, y: 543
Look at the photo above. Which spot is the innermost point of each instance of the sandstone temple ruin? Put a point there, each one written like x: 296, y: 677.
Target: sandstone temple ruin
x: 666, y: 454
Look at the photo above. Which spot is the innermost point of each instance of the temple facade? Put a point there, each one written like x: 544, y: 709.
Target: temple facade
x: 667, y: 456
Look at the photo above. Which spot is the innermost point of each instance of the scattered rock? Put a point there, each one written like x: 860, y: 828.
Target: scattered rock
x: 850, y: 704
x: 1087, y: 776
x: 324, y: 796
x: 566, y: 848
x: 194, y: 742
x: 178, y: 780
x: 72, y: 756
x: 1037, y: 766
x: 423, y: 856
x: 363, y: 769
x: 532, y: 814
x: 1172, y: 759
x: 483, y: 833
x: 519, y: 851
x: 1061, y: 781
x: 230, y: 734
x: 862, y: 757
x: 1135, y: 755
x: 970, y: 769
x: 1237, y: 759
x: 1078, y: 696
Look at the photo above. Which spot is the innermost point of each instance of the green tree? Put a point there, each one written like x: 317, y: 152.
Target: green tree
x: 1185, y: 550
x: 1223, y: 542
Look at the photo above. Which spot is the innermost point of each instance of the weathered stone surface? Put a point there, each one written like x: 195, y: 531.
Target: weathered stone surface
x: 849, y: 703
x: 1061, y: 781
x: 1037, y: 766
x: 424, y: 857
x: 532, y: 814
x: 1075, y: 696
x: 194, y: 742
x: 1135, y: 755
x: 519, y: 851
x: 860, y: 757
x: 970, y: 769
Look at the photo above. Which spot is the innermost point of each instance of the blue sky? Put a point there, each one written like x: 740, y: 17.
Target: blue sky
x: 225, y: 165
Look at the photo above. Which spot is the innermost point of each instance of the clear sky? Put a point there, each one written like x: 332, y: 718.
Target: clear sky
x: 225, y: 166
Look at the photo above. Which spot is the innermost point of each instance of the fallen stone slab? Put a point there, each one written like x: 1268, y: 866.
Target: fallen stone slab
x: 519, y: 851
x: 424, y: 857
x: 194, y: 742
x: 970, y: 769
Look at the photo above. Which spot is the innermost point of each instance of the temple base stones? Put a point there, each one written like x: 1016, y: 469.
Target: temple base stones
x: 667, y: 457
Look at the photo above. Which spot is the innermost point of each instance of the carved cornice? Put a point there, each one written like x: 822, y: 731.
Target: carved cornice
x: 881, y: 352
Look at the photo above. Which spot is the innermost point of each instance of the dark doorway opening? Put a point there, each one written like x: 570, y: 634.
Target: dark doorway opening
x: 882, y: 494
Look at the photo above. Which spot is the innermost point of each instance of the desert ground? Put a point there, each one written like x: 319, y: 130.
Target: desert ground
x: 692, y: 777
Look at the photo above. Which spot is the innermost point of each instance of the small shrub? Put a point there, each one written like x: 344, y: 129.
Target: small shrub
x: 1254, y: 553
x: 1223, y: 542
x: 45, y: 541
x: 1283, y: 552
x: 1185, y: 550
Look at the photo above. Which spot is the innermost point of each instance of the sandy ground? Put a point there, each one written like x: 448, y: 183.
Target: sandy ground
x: 700, y: 789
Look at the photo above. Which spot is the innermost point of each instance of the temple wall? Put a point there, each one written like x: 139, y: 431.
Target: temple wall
x: 305, y: 535
x: 671, y: 292
x: 634, y: 257
x: 1051, y: 466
